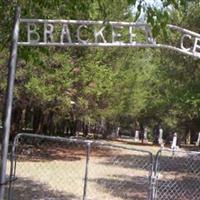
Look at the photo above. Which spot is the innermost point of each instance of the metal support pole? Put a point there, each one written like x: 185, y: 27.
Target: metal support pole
x: 86, y: 171
x: 8, y: 101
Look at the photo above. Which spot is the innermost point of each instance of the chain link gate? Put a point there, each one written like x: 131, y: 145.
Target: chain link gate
x: 54, y: 168
x: 177, y: 175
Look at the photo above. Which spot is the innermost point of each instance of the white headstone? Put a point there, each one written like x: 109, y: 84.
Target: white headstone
x: 160, y: 137
x: 117, y: 132
x: 198, y: 140
x: 174, y: 142
x: 136, y: 139
x: 145, y: 135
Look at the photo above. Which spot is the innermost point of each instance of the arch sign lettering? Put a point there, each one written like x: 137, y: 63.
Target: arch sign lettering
x: 43, y: 32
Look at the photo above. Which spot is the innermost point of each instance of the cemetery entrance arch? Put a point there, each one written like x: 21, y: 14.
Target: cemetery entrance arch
x: 64, y: 38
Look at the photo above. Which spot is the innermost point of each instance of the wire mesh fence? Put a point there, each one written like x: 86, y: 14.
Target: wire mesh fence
x: 49, y: 168
x: 59, y: 168
x: 178, y: 175
x: 119, y: 173
x: 53, y: 168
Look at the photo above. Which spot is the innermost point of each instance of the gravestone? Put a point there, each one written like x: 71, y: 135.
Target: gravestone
x: 136, y: 138
x: 174, y: 142
x: 198, y: 140
x: 160, y: 137
x: 116, y: 133
x: 145, y: 135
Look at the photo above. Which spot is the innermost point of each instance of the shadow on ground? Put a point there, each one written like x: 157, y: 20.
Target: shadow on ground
x: 185, y: 188
x: 130, y: 161
x: 123, y: 187
x: 24, y: 189
x: 184, y: 164
x: 48, y: 151
x: 137, y: 188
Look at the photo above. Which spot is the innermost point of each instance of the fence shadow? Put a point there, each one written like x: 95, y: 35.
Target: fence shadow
x: 130, y: 161
x: 57, y: 151
x: 124, y: 187
x: 26, y: 189
x: 189, y: 164
x: 185, y: 188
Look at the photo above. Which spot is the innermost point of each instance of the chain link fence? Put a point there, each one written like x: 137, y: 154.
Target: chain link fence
x: 48, y: 168
x: 120, y: 173
x: 52, y: 168
x: 177, y: 175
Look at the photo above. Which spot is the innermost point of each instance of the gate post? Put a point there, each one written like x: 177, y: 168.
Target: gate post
x: 8, y: 101
x: 86, y: 170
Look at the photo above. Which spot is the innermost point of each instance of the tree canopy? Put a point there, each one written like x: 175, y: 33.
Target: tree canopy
x: 57, y: 89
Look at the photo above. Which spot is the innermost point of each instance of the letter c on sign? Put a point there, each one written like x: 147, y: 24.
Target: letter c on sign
x: 182, y: 40
x: 78, y: 34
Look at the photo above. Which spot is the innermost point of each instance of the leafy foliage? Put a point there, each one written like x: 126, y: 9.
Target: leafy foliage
x: 105, y: 84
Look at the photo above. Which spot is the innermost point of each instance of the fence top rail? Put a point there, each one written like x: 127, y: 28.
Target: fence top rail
x: 81, y: 141
x: 178, y: 151
x: 88, y: 22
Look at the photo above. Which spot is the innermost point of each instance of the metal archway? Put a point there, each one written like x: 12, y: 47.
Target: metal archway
x: 65, y: 39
